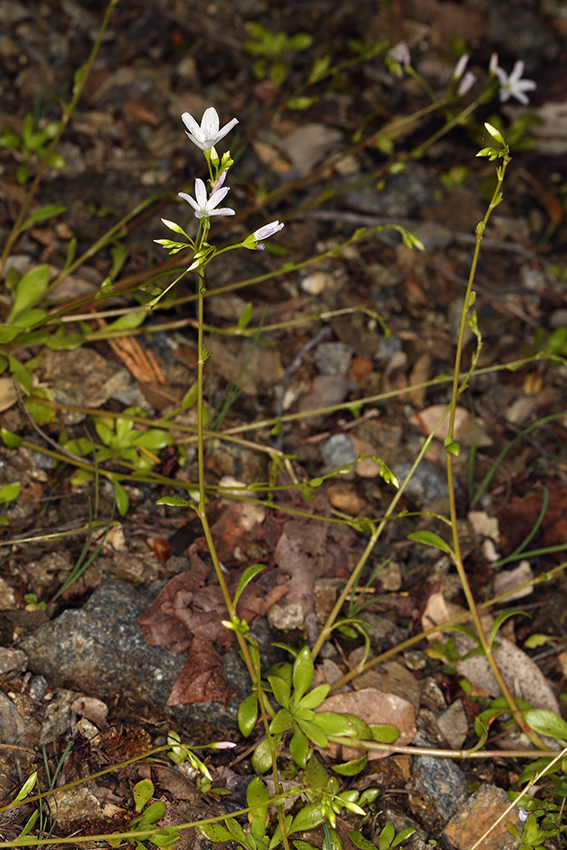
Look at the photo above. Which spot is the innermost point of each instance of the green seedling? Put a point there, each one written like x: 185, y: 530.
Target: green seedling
x: 387, y: 839
x: 145, y: 822
x: 31, y: 142
x: 123, y: 440
x: 270, y: 48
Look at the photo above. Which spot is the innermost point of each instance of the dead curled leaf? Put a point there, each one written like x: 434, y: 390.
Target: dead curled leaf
x: 188, y: 614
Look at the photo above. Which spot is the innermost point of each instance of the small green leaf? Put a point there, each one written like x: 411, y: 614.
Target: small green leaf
x: 281, y: 690
x: 314, y: 732
x: 119, y: 253
x: 174, y: 502
x: 533, y: 641
x: 500, y: 619
x: 236, y: 831
x: 48, y: 211
x: 385, y: 734
x: 402, y: 835
x: 30, y: 289
x: 257, y: 793
x: 245, y: 316
x: 308, y: 818
x: 302, y: 673
x: 452, y: 447
x: 314, y: 697
x: 248, y: 714
x: 29, y: 318
x: 262, y: 758
x: 122, y: 500
x: 155, y: 440
x: 386, y: 837
x: 359, y: 840
x: 246, y: 578
x: 8, y: 334
x: 334, y: 724
x: 430, y: 539
x: 215, y: 832
x: 546, y: 723
x: 129, y: 321
x: 281, y: 722
x: 143, y: 793
x: 12, y: 441
x: 27, y: 786
x: 351, y: 768
x: 9, y: 492
x: 299, y: 748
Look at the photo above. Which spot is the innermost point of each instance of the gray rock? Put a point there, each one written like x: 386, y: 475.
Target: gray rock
x: 100, y: 650
x: 441, y: 780
x: 338, y: 451
x: 454, y: 725
x: 387, y: 347
x: 428, y: 482
x: 333, y: 358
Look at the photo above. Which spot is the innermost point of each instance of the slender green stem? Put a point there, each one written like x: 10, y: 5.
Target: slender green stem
x: 485, y: 643
x: 201, y: 511
x: 65, y: 118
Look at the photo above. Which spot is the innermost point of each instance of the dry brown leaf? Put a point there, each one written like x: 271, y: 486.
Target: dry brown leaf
x: 375, y: 708
x: 463, y: 431
x: 8, y: 393
x: 188, y: 614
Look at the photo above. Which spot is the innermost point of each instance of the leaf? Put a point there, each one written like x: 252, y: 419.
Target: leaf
x: 281, y: 722
x: 215, y: 832
x: 431, y: 539
x: 29, y: 318
x: 313, y: 732
x: 245, y: 316
x: 359, y: 840
x: 12, y: 441
x: 281, y: 690
x: 8, y: 334
x: 10, y: 492
x: 351, y: 768
x: 27, y: 786
x: 308, y: 818
x: 262, y: 758
x: 122, y: 500
x: 384, y: 733
x: 245, y: 578
x: 235, y: 830
x: 30, y: 289
x: 257, y: 793
x: 21, y: 374
x: 402, y: 835
x: 129, y: 321
x: 315, y: 697
x: 500, y: 619
x: 154, y: 440
x: 299, y: 748
x: 248, y: 714
x: 40, y: 413
x: 335, y: 724
x: 119, y: 253
x: 143, y: 793
x: 302, y: 673
x: 175, y: 502
x: 386, y: 837
x: 48, y: 211
x: 547, y: 723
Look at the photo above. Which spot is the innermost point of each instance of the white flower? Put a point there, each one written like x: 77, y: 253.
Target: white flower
x: 208, y: 134
x: 460, y: 66
x: 266, y: 231
x: 203, y: 206
x: 513, y: 85
x: 400, y: 53
x: 466, y: 83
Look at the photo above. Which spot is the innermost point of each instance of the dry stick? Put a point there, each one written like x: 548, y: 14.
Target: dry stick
x: 79, y: 84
